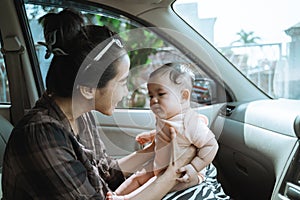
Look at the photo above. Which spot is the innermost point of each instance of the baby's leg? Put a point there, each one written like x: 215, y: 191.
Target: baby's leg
x: 114, y: 196
x: 133, y: 182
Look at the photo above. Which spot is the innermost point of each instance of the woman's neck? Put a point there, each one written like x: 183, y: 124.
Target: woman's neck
x: 67, y: 107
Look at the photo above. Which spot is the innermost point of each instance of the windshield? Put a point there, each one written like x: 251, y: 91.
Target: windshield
x: 260, y: 38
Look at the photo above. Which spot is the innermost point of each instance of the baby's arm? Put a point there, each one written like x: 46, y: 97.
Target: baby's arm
x: 205, y: 155
x: 204, y: 140
x: 145, y: 137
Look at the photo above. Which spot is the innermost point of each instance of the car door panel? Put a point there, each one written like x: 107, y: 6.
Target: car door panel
x: 255, y: 149
x: 119, y: 142
x: 119, y: 130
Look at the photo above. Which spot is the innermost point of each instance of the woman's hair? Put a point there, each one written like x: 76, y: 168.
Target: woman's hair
x: 76, y: 48
x: 179, y: 73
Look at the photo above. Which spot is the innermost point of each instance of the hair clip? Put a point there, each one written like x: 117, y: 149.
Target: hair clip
x: 49, y: 46
x: 105, y: 49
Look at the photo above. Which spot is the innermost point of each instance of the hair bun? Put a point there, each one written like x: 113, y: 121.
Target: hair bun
x: 65, y: 25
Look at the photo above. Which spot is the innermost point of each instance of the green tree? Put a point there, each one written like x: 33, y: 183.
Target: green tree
x: 246, y: 38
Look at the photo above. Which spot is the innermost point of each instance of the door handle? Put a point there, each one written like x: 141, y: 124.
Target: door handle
x: 292, y: 191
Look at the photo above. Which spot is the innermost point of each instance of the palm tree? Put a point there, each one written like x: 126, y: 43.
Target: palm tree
x: 246, y: 38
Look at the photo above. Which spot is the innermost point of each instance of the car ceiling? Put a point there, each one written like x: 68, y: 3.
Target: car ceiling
x: 135, y: 7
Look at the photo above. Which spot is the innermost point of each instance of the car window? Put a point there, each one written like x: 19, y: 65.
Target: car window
x: 147, y: 50
x: 4, y: 89
x: 261, y: 39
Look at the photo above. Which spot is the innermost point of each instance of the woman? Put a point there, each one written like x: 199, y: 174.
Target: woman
x: 55, y: 151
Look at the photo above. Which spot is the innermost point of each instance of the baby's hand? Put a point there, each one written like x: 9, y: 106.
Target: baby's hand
x: 145, y: 137
x: 189, y: 174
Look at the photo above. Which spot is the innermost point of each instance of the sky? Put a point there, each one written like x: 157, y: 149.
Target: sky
x: 267, y: 18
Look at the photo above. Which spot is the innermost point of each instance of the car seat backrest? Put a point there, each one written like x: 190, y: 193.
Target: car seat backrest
x: 5, y: 130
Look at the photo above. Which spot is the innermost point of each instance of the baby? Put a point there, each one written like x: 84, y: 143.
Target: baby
x: 169, y: 89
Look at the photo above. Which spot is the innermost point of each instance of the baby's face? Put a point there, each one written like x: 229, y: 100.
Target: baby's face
x: 165, y: 97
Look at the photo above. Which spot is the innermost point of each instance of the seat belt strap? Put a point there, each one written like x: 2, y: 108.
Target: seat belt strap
x: 13, y: 51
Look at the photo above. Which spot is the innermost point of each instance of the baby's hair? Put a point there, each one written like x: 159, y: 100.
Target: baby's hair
x: 179, y: 73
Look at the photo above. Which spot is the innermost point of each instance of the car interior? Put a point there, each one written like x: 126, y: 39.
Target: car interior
x: 258, y: 136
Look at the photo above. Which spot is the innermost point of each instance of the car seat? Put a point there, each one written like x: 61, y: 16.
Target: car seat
x: 5, y: 130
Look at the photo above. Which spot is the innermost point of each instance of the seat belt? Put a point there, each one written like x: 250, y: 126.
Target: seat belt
x: 13, y: 51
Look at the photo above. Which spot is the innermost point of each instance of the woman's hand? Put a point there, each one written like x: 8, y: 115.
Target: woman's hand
x: 189, y: 178
x: 189, y: 174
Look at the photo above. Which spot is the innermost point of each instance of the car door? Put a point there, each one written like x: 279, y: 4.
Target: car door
x: 258, y: 144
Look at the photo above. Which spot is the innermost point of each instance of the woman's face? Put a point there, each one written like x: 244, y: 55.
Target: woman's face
x: 107, y: 98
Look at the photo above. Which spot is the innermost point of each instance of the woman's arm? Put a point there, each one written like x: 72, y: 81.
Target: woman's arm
x: 131, y: 163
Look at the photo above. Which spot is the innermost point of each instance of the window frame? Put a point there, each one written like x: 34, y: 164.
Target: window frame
x: 7, y: 103
x: 87, y: 6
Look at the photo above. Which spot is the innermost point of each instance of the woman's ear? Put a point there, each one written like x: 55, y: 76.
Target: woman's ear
x: 185, y: 94
x: 87, y: 92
